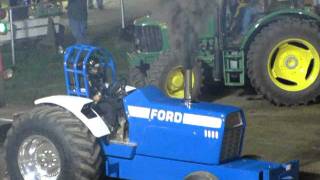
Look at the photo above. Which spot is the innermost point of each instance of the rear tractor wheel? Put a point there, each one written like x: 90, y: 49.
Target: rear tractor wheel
x: 167, y: 73
x: 284, y: 62
x: 50, y: 143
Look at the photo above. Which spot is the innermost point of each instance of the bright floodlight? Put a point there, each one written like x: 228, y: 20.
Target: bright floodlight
x: 3, y: 28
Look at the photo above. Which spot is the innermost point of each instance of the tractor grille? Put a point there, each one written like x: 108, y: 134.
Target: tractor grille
x: 148, y: 38
x: 231, y: 144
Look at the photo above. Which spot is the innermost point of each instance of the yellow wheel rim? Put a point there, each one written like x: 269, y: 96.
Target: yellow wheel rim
x: 174, y: 85
x: 294, y: 65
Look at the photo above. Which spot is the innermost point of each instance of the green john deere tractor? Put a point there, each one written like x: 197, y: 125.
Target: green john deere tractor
x: 278, y: 53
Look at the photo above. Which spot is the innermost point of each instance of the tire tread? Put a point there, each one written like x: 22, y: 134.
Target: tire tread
x: 265, y: 35
x: 83, y: 144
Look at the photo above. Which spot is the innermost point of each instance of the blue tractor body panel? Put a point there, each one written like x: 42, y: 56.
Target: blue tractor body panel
x: 166, y: 143
x: 146, y: 168
x: 182, y: 136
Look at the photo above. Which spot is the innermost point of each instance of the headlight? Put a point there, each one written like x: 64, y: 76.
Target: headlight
x: 234, y: 120
x: 3, y: 28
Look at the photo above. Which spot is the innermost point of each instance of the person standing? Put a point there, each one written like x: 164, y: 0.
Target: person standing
x: 99, y: 4
x: 78, y: 19
x: 254, y: 7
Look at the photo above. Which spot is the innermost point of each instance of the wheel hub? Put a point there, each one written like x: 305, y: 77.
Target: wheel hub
x: 294, y: 65
x: 174, y: 85
x: 291, y: 62
x: 176, y: 81
x: 39, y: 159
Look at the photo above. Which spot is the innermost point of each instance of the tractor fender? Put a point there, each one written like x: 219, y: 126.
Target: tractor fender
x: 74, y: 105
x: 257, y: 26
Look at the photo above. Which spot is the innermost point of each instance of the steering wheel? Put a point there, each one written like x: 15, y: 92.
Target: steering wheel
x: 118, y: 89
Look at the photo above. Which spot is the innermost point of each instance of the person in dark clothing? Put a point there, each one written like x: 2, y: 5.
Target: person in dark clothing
x: 244, y: 12
x: 254, y: 7
x: 78, y: 19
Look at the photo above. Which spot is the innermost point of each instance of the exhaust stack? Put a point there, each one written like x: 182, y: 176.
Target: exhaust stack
x: 123, y: 24
x: 188, y: 87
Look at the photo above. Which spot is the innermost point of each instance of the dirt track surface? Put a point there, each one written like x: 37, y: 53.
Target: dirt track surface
x: 281, y: 133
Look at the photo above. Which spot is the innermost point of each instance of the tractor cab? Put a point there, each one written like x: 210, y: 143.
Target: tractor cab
x: 237, y: 40
x: 234, y: 12
x: 237, y: 16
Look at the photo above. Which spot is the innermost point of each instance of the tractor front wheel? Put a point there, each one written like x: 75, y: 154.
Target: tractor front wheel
x: 167, y: 73
x: 284, y: 63
x: 50, y: 143
x: 201, y: 175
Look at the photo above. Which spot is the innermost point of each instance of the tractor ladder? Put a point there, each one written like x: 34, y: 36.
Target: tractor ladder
x: 233, y: 67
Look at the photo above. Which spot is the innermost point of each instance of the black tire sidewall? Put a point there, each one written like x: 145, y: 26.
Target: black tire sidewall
x: 259, y: 65
x: 42, y: 128
x: 136, y: 77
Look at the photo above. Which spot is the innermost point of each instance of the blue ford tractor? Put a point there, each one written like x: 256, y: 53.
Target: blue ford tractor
x: 103, y: 127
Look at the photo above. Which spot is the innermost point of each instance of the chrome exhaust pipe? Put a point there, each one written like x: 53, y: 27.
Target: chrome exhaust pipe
x: 188, y: 87
x: 123, y: 23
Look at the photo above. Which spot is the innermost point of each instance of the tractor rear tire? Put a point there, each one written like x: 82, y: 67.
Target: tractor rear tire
x: 200, y: 175
x: 52, y: 141
x: 168, y: 64
x: 283, y: 62
x: 136, y: 77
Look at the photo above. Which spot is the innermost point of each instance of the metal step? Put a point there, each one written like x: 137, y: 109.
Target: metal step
x: 233, y: 67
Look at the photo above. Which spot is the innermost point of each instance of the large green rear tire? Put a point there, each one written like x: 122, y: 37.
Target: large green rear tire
x: 49, y: 142
x: 167, y: 73
x: 284, y: 63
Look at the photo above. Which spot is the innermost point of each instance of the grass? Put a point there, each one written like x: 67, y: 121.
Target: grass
x: 39, y: 70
